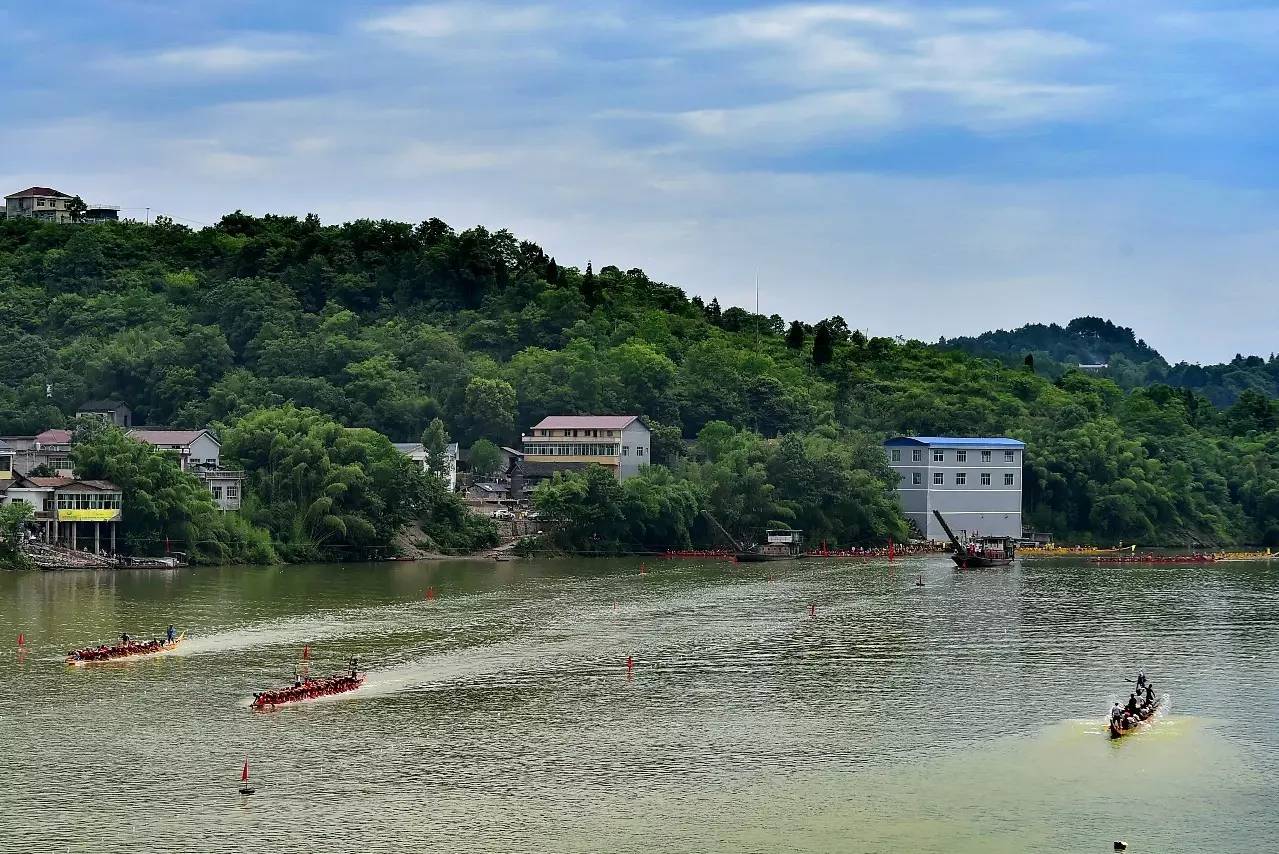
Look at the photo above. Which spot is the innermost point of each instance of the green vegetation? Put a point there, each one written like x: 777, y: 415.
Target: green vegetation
x: 164, y: 507
x: 1054, y: 349
x: 297, y: 340
x: 13, y: 519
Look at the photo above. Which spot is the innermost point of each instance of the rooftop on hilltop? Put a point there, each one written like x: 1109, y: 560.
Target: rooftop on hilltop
x: 30, y: 192
x: 586, y: 422
x: 958, y: 441
x: 164, y: 436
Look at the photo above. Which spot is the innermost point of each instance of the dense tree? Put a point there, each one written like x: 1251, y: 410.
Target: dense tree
x: 435, y: 442
x: 823, y: 344
x: 795, y: 335
x: 486, y: 459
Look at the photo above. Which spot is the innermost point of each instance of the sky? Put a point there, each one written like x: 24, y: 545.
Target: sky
x: 922, y: 169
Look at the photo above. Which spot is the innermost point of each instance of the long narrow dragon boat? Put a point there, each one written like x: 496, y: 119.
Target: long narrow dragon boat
x: 1128, y: 724
x: 121, y: 651
x: 306, y: 688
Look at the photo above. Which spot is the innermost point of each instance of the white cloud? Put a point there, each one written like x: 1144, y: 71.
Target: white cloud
x: 446, y: 20
x: 805, y: 117
x: 787, y: 23
x: 243, y: 55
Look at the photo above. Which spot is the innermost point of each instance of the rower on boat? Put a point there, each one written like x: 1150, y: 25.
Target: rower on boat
x: 1131, y: 708
x: 124, y: 639
x: 170, y: 634
x: 355, y: 663
x: 1150, y: 693
x: 1141, y: 682
x: 1116, y: 713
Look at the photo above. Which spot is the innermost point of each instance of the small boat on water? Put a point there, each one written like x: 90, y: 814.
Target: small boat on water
x: 129, y: 649
x: 306, y: 688
x: 1127, y: 724
x: 780, y: 544
x: 979, y: 552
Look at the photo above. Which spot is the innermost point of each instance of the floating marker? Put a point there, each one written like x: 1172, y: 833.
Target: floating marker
x: 430, y: 593
x: 306, y: 651
x: 920, y: 581
x: 245, y: 788
x: 643, y: 569
x: 1120, y: 845
x: 22, y: 640
x: 812, y: 611
x: 891, y: 553
x: 630, y: 664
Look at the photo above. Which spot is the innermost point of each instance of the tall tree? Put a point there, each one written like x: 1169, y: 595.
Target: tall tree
x: 76, y: 208
x: 795, y: 335
x: 435, y: 441
x: 823, y: 345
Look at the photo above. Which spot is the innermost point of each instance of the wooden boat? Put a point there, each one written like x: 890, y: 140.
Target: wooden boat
x: 1118, y: 730
x: 781, y: 544
x: 101, y: 654
x: 981, y: 551
x: 307, y: 689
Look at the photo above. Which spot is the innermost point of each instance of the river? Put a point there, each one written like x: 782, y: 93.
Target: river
x: 961, y: 716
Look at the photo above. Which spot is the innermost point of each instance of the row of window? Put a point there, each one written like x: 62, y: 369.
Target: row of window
x: 571, y: 450
x: 574, y: 433
x: 232, y: 492
x: 961, y: 478
x: 939, y: 456
x: 88, y: 501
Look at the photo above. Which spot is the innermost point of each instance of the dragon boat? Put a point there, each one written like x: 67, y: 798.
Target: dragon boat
x: 306, y: 688
x: 132, y: 649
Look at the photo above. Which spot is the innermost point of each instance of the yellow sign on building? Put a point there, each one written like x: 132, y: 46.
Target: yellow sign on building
x: 103, y: 515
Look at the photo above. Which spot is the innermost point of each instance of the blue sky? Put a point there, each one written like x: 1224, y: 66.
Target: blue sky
x: 923, y: 169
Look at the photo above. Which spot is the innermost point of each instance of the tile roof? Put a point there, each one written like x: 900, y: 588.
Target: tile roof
x: 166, y: 437
x: 587, y: 422
x: 38, y: 191
x: 52, y: 481
x: 957, y: 441
x: 54, y: 437
x: 102, y: 405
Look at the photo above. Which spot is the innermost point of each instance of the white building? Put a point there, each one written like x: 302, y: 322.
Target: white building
x: 621, y: 443
x: 416, y: 452
x: 975, y: 483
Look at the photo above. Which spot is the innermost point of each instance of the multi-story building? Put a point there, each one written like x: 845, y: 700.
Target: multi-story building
x: 974, y: 482
x: 69, y: 512
x: 197, y: 452
x: 621, y: 443
x: 417, y: 453
x: 38, y: 203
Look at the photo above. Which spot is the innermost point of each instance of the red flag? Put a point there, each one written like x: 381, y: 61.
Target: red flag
x: 244, y: 775
x: 22, y: 640
x: 890, y: 548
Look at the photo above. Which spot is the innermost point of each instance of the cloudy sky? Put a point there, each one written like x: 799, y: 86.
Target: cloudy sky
x: 921, y: 168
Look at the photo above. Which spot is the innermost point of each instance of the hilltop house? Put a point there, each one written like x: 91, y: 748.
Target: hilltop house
x: 52, y: 205
x: 416, y: 452
x: 974, y: 482
x: 111, y: 411
x: 621, y: 443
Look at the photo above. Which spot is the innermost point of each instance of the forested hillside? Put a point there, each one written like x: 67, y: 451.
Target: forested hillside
x: 387, y: 325
x: 1131, y: 363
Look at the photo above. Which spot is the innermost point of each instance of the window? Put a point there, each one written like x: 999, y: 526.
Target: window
x: 985, y: 456
x: 961, y: 456
x: 961, y: 478
x: 1008, y: 479
x: 232, y: 491
x: 217, y: 493
x: 938, y: 456
x: 639, y: 450
x: 985, y: 478
x: 626, y: 450
x: 917, y: 455
x: 1010, y: 456
x: 938, y: 478
x: 919, y: 478
x: 48, y: 504
x: 896, y: 455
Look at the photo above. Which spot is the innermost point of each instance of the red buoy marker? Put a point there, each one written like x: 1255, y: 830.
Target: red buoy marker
x: 812, y: 611
x: 306, y: 651
x: 22, y: 640
x: 245, y: 788
x: 890, y: 550
x: 630, y: 664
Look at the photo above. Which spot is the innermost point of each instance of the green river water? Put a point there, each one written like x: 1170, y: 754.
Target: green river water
x: 963, y: 716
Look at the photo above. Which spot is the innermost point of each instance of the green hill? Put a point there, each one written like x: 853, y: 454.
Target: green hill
x: 387, y: 325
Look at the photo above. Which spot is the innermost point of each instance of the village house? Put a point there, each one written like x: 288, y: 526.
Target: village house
x: 46, y: 203
x: 69, y: 512
x: 416, y: 452
x: 111, y: 411
x: 197, y: 452
x: 974, y: 482
x: 620, y: 443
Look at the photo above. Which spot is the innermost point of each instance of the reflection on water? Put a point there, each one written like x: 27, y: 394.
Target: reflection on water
x: 966, y: 715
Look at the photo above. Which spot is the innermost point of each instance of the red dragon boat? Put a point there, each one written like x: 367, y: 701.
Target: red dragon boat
x: 132, y: 649
x: 306, y: 688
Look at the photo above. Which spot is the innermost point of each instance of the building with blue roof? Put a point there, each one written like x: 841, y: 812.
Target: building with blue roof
x: 975, y: 482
